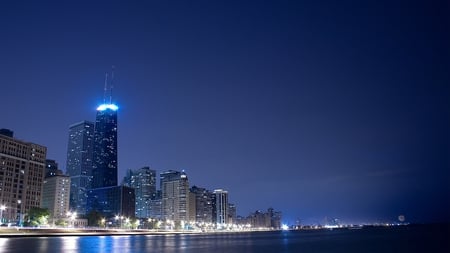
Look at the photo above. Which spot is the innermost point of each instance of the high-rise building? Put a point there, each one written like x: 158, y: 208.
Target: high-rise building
x: 79, y: 163
x: 155, y: 206
x: 203, y: 204
x: 221, y: 197
x: 55, y: 194
x: 105, y: 196
x: 143, y: 181
x: 232, y: 213
x: 192, y: 207
x: 22, y: 168
x: 175, y: 194
x: 112, y: 201
x: 105, y: 147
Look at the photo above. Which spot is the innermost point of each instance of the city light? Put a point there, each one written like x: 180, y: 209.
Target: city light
x: 2, y: 208
x: 103, y: 107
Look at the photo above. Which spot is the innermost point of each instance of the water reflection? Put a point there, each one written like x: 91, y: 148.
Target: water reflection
x: 3, y: 244
x: 408, y: 239
x: 134, y: 243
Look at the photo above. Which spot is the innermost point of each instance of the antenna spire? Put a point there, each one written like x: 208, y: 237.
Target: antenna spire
x: 106, y: 88
x: 111, y: 84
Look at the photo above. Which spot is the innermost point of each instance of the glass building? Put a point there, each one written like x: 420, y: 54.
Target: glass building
x: 104, y: 170
x: 79, y: 163
x: 112, y: 201
x: 143, y: 181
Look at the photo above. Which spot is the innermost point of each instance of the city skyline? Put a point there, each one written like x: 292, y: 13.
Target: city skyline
x: 317, y: 109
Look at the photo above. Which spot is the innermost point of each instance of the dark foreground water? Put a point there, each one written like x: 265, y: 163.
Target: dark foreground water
x: 381, y: 239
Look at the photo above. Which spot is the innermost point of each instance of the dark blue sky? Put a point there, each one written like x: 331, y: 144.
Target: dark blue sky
x: 316, y: 108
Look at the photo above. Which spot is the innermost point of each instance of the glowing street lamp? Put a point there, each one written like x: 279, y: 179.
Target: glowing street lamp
x: 137, y: 223
x: 119, y: 218
x: 72, y: 217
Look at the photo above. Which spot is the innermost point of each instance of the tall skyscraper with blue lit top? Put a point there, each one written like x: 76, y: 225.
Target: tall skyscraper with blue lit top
x: 104, y: 170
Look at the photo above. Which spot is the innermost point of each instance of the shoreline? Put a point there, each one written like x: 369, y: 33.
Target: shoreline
x: 55, y: 232
x: 16, y: 232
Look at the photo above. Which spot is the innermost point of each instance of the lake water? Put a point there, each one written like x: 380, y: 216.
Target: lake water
x: 380, y: 239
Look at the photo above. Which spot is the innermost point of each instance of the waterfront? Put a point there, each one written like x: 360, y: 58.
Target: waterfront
x: 418, y: 238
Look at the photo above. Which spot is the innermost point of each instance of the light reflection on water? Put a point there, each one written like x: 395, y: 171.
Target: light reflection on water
x: 121, y: 244
x: 373, y: 240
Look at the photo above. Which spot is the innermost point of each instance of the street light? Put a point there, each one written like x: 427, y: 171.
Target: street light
x: 103, y: 222
x: 2, y: 208
x: 119, y: 218
x: 19, y: 207
x: 72, y: 217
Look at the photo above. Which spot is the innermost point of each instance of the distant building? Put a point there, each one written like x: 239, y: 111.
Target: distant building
x: 144, y: 183
x: 175, y: 196
x: 231, y: 213
x: 79, y: 163
x: 156, y: 205
x: 203, y: 204
x: 275, y: 218
x: 22, y: 168
x: 221, y: 198
x: 260, y: 219
x: 192, y: 207
x: 6, y: 132
x: 112, y: 201
x: 56, y: 194
x: 51, y: 168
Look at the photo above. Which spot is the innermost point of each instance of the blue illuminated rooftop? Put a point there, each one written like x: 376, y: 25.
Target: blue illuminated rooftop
x: 103, y: 107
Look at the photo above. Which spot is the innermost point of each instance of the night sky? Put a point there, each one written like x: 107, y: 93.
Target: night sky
x: 337, y: 109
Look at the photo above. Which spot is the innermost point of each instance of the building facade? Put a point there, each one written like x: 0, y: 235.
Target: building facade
x: 56, y: 195
x: 232, y: 213
x: 203, y: 204
x: 104, y: 170
x: 175, y: 194
x: 22, y: 169
x: 259, y: 219
x: 112, y: 201
x: 79, y: 163
x: 155, y: 206
x: 143, y: 181
x: 221, y: 211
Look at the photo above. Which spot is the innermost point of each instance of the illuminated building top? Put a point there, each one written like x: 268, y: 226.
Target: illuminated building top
x: 104, y: 107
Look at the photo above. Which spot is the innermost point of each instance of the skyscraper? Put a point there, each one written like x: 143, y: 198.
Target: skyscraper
x: 204, y: 204
x: 22, y: 168
x: 104, y: 170
x: 175, y: 194
x: 221, y: 207
x: 105, y: 196
x: 79, y: 163
x: 143, y: 181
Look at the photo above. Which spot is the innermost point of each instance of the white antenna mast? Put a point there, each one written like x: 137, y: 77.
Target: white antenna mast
x: 106, y: 88
x: 111, y: 85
